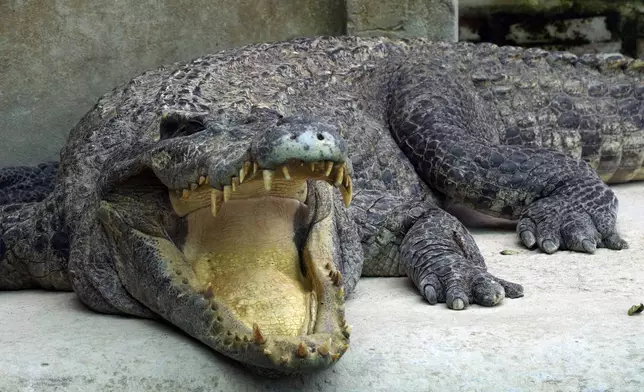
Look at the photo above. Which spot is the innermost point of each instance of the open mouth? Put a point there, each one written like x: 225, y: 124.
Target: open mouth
x: 263, y: 252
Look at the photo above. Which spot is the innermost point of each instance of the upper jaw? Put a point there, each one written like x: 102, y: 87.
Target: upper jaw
x: 285, y: 180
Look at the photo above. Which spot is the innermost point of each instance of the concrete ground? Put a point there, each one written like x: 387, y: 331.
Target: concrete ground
x: 569, y: 333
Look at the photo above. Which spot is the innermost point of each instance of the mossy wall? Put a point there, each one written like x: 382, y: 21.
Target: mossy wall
x: 579, y: 26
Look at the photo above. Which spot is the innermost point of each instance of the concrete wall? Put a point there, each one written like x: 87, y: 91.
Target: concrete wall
x: 58, y: 56
x: 434, y: 19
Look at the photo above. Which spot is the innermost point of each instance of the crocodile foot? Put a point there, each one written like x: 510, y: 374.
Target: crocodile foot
x: 579, y: 218
x: 461, y: 284
x: 446, y: 265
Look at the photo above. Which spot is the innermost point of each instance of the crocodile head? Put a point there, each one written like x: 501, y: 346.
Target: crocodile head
x: 237, y: 234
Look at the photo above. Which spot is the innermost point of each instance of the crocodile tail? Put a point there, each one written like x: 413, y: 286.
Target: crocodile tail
x: 24, y: 184
x: 34, y: 245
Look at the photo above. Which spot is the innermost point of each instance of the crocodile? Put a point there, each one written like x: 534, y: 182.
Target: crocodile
x: 241, y: 195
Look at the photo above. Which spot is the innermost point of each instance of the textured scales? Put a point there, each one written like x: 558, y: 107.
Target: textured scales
x: 407, y: 127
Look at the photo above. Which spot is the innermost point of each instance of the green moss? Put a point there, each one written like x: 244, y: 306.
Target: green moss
x: 635, y: 309
x: 552, y: 6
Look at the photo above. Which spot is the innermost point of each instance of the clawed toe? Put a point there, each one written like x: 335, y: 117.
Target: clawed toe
x: 528, y: 239
x: 457, y: 304
x: 589, y: 246
x: 549, y: 246
x: 487, y: 292
x: 457, y: 297
x: 512, y: 290
x: 614, y: 242
x: 430, y: 295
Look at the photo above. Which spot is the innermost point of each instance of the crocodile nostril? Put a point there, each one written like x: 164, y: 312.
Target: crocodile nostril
x: 320, y: 136
x: 293, y: 137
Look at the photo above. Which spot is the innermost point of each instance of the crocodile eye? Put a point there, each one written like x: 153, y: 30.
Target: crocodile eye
x: 178, y: 125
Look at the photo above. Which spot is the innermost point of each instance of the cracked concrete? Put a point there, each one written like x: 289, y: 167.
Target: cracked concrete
x: 569, y: 333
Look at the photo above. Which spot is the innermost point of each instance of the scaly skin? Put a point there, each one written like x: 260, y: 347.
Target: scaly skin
x: 27, y: 184
x: 521, y: 134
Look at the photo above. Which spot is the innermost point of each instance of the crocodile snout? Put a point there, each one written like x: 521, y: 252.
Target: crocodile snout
x: 297, y: 138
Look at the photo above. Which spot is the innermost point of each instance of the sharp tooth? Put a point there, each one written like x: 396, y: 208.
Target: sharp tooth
x: 324, y: 348
x: 235, y: 183
x: 258, y: 336
x: 255, y: 168
x: 208, y: 293
x: 312, y: 166
x: 243, y: 172
x: 346, y: 197
x: 202, y: 179
x: 347, y: 192
x: 213, y: 202
x: 268, y: 179
x: 185, y: 194
x: 207, y: 182
x: 339, y: 176
x: 228, y: 190
x: 287, y: 175
x: 328, y: 167
x: 302, y: 351
x: 336, y: 277
x: 193, y: 187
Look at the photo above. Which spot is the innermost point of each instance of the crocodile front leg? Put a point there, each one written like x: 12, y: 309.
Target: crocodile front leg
x: 451, y: 137
x: 414, y: 237
x: 442, y: 259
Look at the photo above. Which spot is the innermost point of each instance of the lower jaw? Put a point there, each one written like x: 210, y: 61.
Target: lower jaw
x: 289, y: 297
